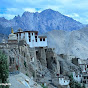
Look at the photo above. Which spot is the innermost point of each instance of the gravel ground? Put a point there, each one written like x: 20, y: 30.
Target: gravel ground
x: 22, y: 81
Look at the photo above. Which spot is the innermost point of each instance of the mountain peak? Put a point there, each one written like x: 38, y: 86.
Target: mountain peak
x: 2, y: 19
x: 26, y: 13
x: 45, y: 21
x: 49, y: 11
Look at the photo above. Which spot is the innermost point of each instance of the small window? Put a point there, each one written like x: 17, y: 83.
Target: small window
x: 87, y: 66
x: 84, y: 81
x: 29, y: 36
x: 10, y: 61
x: 19, y: 34
x: 57, y: 74
x: 43, y: 39
x: 35, y: 36
x: 32, y: 33
x: 29, y: 33
x: 84, y: 77
x: 79, y: 75
x: 40, y: 39
x: 29, y: 40
x: 36, y: 40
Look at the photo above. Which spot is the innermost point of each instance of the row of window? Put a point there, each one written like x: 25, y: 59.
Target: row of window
x: 77, y: 75
x: 36, y: 39
x: 42, y: 38
x: 85, y: 77
x: 32, y: 34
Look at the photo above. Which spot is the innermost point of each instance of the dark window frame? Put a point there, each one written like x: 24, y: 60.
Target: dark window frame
x: 32, y: 33
x: 29, y: 40
x: 43, y: 39
x: 40, y: 39
x: 36, y: 40
x: 35, y: 36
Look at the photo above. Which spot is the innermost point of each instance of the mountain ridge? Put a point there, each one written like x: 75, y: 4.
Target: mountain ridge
x: 43, y: 22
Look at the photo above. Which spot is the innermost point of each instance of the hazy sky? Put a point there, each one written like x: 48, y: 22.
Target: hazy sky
x: 77, y: 9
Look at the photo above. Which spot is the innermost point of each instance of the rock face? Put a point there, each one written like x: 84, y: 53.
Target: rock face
x: 45, y: 21
x: 40, y: 63
x: 3, y: 37
x: 71, y: 43
x: 22, y: 81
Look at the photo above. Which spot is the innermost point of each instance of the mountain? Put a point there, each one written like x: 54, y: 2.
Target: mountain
x: 43, y: 22
x: 71, y: 43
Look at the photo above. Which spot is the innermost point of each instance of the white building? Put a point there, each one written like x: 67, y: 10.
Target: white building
x: 32, y: 38
x: 12, y: 37
x: 77, y: 77
x: 63, y: 81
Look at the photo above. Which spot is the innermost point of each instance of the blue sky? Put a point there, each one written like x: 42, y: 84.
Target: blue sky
x: 77, y: 9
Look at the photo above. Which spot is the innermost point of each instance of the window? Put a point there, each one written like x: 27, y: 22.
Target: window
x: 29, y: 36
x: 29, y: 40
x: 79, y: 75
x: 84, y: 81
x: 29, y: 33
x: 84, y: 77
x: 32, y: 33
x: 40, y: 39
x: 35, y: 36
x: 10, y: 61
x: 87, y: 66
x: 36, y: 40
x: 43, y: 39
x: 57, y: 74
x: 19, y: 34
x: 87, y: 77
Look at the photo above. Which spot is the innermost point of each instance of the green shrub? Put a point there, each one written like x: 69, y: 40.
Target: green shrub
x: 27, y: 74
x: 44, y: 86
x: 75, y: 84
x: 4, y: 69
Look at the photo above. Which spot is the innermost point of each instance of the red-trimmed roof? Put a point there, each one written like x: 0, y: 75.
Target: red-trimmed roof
x: 42, y: 36
x: 26, y: 31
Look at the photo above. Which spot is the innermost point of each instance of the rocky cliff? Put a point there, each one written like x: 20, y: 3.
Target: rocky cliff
x: 71, y: 43
x: 41, y: 63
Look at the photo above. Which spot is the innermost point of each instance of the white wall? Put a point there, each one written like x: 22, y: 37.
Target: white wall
x: 42, y: 43
x: 33, y: 43
x: 78, y: 78
x: 62, y: 81
x: 83, y: 68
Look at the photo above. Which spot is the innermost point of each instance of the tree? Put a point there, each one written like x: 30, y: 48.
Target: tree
x: 83, y: 86
x: 72, y: 82
x: 75, y: 84
x: 4, y: 71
